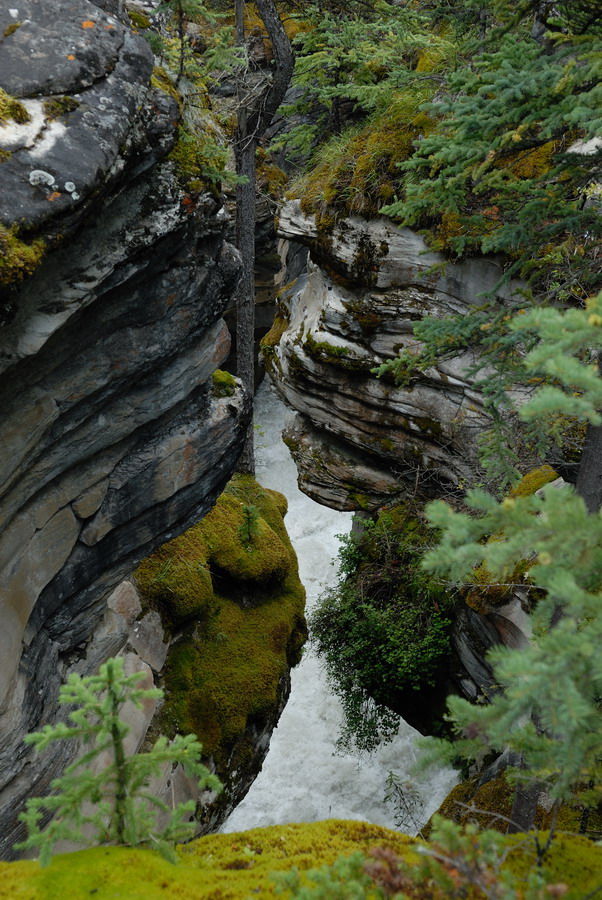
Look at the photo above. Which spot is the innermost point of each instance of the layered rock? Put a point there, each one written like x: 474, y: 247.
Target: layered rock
x: 360, y: 441
x: 113, y: 282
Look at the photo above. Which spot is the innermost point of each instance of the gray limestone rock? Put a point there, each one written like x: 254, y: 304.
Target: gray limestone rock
x: 362, y: 441
x: 111, y: 441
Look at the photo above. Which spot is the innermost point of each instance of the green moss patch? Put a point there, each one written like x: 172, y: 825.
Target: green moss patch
x: 229, y: 588
x: 490, y: 806
x: 242, y: 865
x: 17, y: 257
x: 223, y: 383
x: 139, y: 19
x: 162, y: 82
x: 60, y: 107
x: 358, y: 172
x: 12, y: 110
x: 215, y: 867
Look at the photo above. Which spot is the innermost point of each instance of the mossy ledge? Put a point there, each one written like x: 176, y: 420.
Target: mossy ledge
x: 18, y: 259
x: 228, y: 589
x: 241, y: 865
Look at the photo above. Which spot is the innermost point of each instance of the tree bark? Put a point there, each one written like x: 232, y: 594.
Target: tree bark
x: 254, y: 117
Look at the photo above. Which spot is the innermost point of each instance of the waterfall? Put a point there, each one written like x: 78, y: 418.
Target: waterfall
x: 304, y: 778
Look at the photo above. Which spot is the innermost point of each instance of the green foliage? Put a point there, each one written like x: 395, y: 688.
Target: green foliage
x: 457, y: 863
x: 345, y: 879
x: 500, y: 163
x: 384, y: 629
x: 548, y: 708
x: 183, y: 54
x: 361, y: 54
x: 115, y: 804
x: 250, y: 523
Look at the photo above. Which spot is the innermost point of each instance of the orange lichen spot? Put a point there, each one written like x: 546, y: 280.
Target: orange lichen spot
x: 109, y: 28
x: 54, y: 196
x: 71, y: 56
x: 88, y: 23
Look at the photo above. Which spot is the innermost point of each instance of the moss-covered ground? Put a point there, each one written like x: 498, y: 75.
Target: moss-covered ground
x: 239, y: 866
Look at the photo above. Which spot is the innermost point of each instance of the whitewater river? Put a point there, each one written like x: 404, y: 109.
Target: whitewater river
x: 304, y: 778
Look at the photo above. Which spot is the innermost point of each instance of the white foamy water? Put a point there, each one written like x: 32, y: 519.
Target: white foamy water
x: 304, y: 778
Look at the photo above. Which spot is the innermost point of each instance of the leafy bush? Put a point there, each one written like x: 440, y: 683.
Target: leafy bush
x: 384, y: 629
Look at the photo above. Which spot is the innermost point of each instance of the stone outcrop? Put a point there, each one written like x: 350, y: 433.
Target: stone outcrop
x: 360, y: 441
x: 112, y: 285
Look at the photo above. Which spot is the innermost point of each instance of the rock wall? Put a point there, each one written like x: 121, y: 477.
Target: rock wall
x: 360, y: 441
x: 112, y: 287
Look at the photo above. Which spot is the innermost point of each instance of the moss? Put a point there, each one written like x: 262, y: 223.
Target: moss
x: 247, y: 592
x: 429, y: 426
x: 60, y: 107
x: 10, y: 29
x: 270, y: 341
x: 533, y: 481
x: 364, y: 315
x: 270, y: 177
x: 223, y: 383
x: 199, y: 158
x: 5, y: 155
x: 162, y: 82
x: 12, y: 110
x: 490, y: 806
x: 241, y: 865
x: 489, y: 591
x: 334, y: 355
x: 139, y: 19
x: 214, y: 867
x: 18, y: 259
x: 358, y: 172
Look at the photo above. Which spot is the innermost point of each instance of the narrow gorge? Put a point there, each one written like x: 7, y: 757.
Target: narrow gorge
x: 427, y: 262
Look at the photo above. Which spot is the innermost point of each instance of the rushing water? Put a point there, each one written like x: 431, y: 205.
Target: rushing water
x: 304, y: 778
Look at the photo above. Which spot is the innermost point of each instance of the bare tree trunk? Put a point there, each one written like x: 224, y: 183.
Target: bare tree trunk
x: 254, y: 117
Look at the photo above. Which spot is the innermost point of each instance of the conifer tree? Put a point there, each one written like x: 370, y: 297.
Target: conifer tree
x: 548, y: 705
x: 114, y: 805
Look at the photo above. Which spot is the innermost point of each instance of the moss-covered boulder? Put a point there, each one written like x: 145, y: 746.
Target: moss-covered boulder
x: 489, y: 805
x: 228, y: 590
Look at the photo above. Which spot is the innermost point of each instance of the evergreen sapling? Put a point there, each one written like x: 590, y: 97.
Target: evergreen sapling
x: 115, y: 805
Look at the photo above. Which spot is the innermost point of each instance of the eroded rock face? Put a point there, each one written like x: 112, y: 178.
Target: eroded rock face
x: 111, y: 440
x: 360, y: 441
